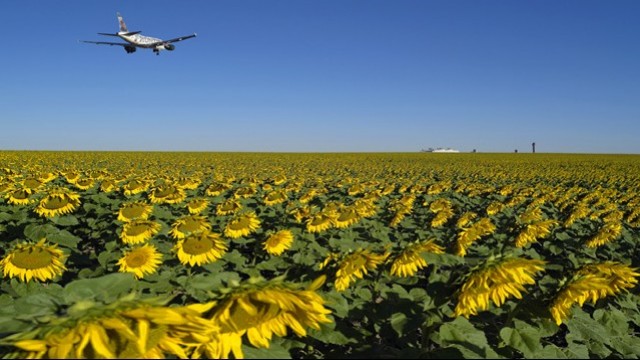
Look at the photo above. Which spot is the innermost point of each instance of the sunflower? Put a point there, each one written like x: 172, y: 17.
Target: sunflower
x: 494, y: 208
x: 320, y: 222
x: 300, y: 213
x: 46, y: 176
x: 200, y: 248
x: 275, y: 197
x: 19, y: 196
x: 167, y: 193
x: 260, y: 310
x: 228, y: 207
x: 139, y: 231
x: 135, y: 210
x: 127, y: 328
x: 188, y: 183
x: 308, y: 196
x: 58, y: 201
x: 85, y: 183
x: 244, y: 192
x: 534, y: 231
x: 609, y: 232
x: 592, y: 282
x: 32, y: 183
x: 365, y: 207
x: 108, y: 185
x: 242, y: 225
x: 354, y: 266
x: 279, y: 179
x: 140, y: 261
x: 135, y: 186
x: 465, y: 219
x: 346, y: 216
x: 34, y: 261
x: 72, y: 177
x: 217, y: 188
x: 410, y: 260
x: 473, y: 233
x: 277, y: 243
x: 496, y: 282
x: 196, y: 206
x: 189, y: 224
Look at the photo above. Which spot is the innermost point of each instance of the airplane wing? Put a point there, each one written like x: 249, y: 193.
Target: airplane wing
x: 177, y: 39
x: 108, y: 43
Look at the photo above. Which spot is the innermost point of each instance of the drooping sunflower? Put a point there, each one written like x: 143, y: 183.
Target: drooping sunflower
x: 346, y: 216
x: 126, y: 329
x: 228, y: 207
x: 410, y: 260
x: 135, y: 210
x: 217, y: 188
x: 277, y: 243
x: 38, y: 261
x: 465, y: 219
x: 260, y: 310
x: 135, y: 186
x: 242, y: 225
x: 196, y: 206
x: 189, y: 224
x: 58, y: 201
x: 244, y: 192
x: 167, y: 193
x: 496, y: 282
x: 142, y: 260
x: 139, y: 231
x: 200, y: 248
x: 609, y: 232
x: 534, y: 231
x: 275, y: 197
x: 355, y: 265
x: 85, y: 183
x: 475, y: 231
x: 108, y: 185
x: 320, y: 222
x: 590, y: 283
x: 32, y: 183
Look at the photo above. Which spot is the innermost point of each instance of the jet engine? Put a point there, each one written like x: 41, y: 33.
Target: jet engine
x: 169, y: 47
x: 130, y: 49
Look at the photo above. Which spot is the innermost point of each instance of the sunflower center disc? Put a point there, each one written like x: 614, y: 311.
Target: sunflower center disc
x: 197, y: 246
x: 32, y: 183
x: 137, y: 259
x: 191, y: 225
x: 240, y: 224
x: 55, y: 203
x: 32, y: 259
x: 133, y: 212
x: 137, y: 229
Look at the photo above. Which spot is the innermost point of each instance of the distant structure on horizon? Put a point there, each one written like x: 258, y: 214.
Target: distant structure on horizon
x: 441, y: 150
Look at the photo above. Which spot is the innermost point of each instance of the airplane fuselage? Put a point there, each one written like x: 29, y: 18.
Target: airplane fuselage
x: 141, y: 40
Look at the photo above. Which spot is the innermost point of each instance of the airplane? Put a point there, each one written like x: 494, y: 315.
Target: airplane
x: 135, y: 40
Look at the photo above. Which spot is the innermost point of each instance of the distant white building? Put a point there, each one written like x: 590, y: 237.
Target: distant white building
x: 441, y: 150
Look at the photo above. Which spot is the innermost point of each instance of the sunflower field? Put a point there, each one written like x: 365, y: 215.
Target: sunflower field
x: 282, y: 255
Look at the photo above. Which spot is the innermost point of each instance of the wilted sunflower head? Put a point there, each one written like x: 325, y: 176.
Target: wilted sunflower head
x: 38, y: 261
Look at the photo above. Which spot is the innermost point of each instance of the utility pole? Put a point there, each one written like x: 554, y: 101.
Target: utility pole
x: 533, y: 145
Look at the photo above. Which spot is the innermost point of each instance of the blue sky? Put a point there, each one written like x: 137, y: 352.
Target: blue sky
x: 324, y: 76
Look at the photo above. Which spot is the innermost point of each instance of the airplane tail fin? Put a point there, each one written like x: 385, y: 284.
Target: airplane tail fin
x: 123, y: 26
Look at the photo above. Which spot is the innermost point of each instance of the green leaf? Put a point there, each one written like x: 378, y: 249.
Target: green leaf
x: 398, y: 321
x: 64, y: 238
x: 275, y: 351
x: 523, y: 338
x: 462, y: 335
x: 105, y: 288
x: 67, y: 220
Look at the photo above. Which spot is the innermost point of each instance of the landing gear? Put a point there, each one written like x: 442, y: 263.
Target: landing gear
x: 156, y: 51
